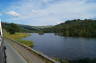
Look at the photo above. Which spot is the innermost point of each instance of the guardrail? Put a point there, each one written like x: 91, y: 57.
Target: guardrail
x: 48, y: 59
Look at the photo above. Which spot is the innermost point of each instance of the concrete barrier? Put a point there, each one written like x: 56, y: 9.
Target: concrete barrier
x: 48, y: 59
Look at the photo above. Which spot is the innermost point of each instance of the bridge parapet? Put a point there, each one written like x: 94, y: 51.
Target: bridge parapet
x: 45, y: 58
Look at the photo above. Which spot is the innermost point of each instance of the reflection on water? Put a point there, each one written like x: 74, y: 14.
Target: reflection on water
x: 41, y: 33
x: 54, y: 45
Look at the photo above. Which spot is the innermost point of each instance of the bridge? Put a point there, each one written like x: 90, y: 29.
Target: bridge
x: 18, y: 53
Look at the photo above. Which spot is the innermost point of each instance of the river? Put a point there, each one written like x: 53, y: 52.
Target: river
x: 64, y: 47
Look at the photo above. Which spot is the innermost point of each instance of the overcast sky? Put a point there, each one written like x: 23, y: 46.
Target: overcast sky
x: 46, y: 12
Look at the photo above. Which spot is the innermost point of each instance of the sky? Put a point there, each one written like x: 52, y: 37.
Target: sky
x: 46, y: 12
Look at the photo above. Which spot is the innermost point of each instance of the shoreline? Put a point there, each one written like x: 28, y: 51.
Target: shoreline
x: 18, y: 37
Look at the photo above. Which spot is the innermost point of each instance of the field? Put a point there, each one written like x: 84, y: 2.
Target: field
x: 18, y: 37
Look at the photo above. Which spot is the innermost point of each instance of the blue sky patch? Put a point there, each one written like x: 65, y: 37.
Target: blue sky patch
x: 46, y: 12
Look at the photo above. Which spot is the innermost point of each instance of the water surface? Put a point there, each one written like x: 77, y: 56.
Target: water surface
x: 64, y: 47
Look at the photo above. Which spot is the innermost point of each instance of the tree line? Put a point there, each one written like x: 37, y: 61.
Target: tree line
x: 77, y: 27
x: 12, y: 28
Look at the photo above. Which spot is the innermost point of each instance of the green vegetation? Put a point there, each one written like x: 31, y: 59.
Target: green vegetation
x: 12, y: 28
x: 62, y: 61
x: 78, y: 28
x: 84, y: 60
x: 18, y: 37
x: 17, y: 32
x: 26, y: 42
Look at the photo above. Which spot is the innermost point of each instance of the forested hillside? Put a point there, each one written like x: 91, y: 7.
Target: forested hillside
x: 12, y: 27
x: 83, y: 28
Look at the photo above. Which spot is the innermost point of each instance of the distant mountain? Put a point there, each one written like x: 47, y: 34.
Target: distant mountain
x: 94, y: 18
x: 23, y: 28
x: 41, y: 27
x: 77, y: 27
x: 83, y: 28
x: 29, y: 28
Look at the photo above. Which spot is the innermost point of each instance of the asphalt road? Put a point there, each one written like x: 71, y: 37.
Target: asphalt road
x: 19, y: 54
x: 14, y: 51
x: 12, y: 55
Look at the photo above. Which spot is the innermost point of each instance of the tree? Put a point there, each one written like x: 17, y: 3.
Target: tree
x: 77, y: 27
x: 13, y: 28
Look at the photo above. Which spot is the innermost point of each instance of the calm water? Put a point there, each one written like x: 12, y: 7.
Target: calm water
x: 64, y: 47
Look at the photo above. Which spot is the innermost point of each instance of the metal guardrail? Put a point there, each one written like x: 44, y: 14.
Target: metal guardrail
x: 36, y: 52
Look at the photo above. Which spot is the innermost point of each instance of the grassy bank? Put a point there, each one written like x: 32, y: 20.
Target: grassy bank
x: 18, y: 37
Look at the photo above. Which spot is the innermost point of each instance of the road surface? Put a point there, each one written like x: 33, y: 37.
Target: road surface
x: 17, y: 54
x: 12, y: 55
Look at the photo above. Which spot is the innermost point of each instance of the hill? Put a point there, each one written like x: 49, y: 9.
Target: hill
x: 76, y: 28
x: 22, y: 28
x: 83, y: 28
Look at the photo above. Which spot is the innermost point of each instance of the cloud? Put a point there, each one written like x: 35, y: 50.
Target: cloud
x: 50, y: 12
x: 13, y: 13
x: 0, y: 13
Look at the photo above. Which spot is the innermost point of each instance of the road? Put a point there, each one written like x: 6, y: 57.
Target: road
x: 18, y: 54
x: 12, y: 55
